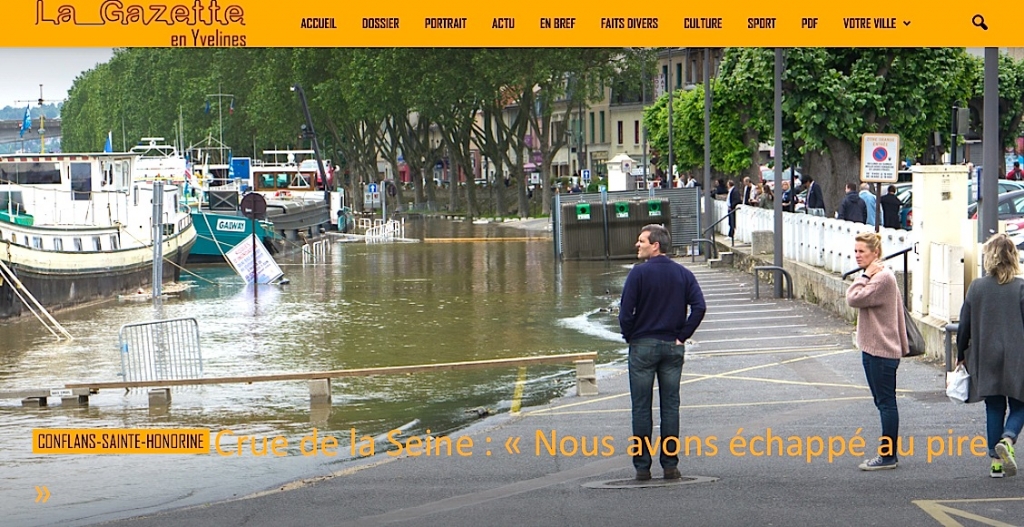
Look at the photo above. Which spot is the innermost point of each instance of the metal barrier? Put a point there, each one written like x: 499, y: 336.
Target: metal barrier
x: 160, y: 350
x: 315, y: 252
x: 757, y: 279
x: 712, y: 252
x: 386, y: 232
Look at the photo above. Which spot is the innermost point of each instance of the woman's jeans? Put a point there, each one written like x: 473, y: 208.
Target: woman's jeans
x: 1000, y: 425
x: 650, y: 358
x: 881, y: 375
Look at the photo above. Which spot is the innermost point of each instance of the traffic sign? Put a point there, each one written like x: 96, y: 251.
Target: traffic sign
x: 879, y: 157
x: 586, y: 174
x: 371, y: 188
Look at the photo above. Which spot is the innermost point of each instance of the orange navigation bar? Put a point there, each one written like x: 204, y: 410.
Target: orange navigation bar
x: 463, y: 23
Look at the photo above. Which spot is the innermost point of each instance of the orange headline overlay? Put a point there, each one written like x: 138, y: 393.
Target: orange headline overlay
x: 120, y: 441
x: 528, y: 23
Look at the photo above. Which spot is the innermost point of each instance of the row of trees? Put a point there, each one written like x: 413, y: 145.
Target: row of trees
x: 364, y: 102
x: 830, y: 98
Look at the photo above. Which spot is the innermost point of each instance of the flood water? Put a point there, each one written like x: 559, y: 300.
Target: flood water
x: 366, y: 306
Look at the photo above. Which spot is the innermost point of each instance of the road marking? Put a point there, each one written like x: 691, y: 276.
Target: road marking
x: 517, y: 395
x: 743, y: 293
x: 734, y: 329
x: 749, y: 351
x: 801, y: 383
x: 944, y: 515
x: 716, y: 405
x: 710, y: 314
x: 782, y: 337
x: 753, y: 319
x: 733, y: 372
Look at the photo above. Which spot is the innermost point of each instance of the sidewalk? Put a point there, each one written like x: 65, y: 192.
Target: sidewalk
x: 760, y: 364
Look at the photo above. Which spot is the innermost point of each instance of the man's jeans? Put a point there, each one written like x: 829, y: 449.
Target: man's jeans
x: 999, y: 425
x: 881, y: 375
x: 649, y: 358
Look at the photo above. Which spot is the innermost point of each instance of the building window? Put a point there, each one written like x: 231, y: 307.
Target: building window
x: 664, y: 76
x: 591, y: 127
x: 636, y: 132
x: 58, y: 244
x: 78, y: 243
x: 619, y: 136
x: 602, y: 127
x: 679, y: 75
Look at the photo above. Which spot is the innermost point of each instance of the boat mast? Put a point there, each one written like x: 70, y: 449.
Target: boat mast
x: 220, y: 116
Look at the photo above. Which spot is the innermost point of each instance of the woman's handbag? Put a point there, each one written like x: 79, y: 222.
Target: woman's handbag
x: 958, y: 384
x: 915, y: 341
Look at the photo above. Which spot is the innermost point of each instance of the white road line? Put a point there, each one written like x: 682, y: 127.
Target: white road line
x: 783, y: 337
x: 752, y: 351
x: 781, y: 310
x: 699, y: 331
x: 753, y: 319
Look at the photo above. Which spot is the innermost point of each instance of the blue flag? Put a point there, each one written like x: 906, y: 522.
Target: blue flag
x: 207, y: 106
x: 26, y: 123
x: 109, y: 145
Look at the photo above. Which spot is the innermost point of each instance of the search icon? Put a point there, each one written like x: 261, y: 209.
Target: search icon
x: 979, y: 21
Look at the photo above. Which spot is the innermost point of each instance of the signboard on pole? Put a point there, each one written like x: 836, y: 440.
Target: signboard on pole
x: 241, y: 258
x: 585, y: 174
x: 879, y: 158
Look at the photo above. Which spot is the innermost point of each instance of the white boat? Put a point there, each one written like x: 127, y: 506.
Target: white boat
x: 291, y: 183
x: 77, y: 227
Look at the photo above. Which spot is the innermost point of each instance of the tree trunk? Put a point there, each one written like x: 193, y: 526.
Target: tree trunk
x: 833, y: 169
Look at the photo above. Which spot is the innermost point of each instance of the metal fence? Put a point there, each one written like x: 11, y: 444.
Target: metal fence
x: 160, y: 350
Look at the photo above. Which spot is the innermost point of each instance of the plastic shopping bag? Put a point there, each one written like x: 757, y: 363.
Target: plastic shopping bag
x: 958, y: 384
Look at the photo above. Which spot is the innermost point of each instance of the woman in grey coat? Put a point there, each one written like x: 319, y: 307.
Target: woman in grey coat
x: 991, y: 344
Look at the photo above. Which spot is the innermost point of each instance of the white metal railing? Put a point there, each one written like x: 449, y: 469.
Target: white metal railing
x: 315, y: 252
x: 812, y: 240
x: 386, y: 232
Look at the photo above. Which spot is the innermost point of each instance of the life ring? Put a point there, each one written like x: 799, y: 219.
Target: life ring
x: 283, y: 194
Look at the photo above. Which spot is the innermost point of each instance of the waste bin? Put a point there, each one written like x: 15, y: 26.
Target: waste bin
x: 583, y: 237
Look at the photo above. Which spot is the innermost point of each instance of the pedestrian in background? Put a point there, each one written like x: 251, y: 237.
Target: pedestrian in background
x: 787, y: 197
x: 869, y: 203
x: 852, y: 208
x: 891, y: 209
x: 815, y: 199
x: 734, y: 200
x: 990, y: 342
x: 661, y: 307
x: 882, y: 337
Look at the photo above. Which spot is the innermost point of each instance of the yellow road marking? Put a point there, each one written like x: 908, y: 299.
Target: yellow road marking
x: 517, y: 395
x: 944, y: 515
x: 717, y: 405
x: 741, y: 370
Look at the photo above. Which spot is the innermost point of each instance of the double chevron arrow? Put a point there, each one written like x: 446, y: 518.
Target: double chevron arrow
x: 42, y: 494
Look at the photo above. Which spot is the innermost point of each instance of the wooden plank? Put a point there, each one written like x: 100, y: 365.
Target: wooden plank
x: 334, y: 374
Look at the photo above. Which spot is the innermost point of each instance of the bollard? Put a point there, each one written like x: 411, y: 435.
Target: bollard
x: 762, y: 242
x: 159, y: 397
x: 320, y: 391
x: 77, y: 400
x: 586, y: 378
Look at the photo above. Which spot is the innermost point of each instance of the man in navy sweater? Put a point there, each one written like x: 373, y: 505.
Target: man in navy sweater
x: 653, y: 317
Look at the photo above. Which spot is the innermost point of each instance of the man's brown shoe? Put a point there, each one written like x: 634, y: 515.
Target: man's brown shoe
x: 643, y: 475
x: 672, y: 473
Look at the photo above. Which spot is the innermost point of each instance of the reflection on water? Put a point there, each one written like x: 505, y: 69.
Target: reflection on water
x: 368, y: 305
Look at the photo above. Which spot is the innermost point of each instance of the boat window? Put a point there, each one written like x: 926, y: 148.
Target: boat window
x: 26, y: 241
x: 37, y: 242
x: 78, y: 244
x: 300, y: 180
x: 58, y: 244
x: 115, y: 244
x: 31, y: 173
x: 282, y: 181
x: 135, y: 194
x: 96, y: 244
x: 81, y: 181
x: 267, y: 181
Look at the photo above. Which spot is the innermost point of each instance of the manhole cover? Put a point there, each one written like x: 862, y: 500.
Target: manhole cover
x: 634, y: 484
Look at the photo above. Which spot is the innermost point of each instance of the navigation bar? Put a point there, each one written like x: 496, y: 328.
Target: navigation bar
x: 462, y: 23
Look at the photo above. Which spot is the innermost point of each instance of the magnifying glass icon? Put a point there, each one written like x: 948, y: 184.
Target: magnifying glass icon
x: 979, y: 21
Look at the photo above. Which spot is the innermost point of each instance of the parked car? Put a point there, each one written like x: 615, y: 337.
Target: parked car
x: 1010, y: 209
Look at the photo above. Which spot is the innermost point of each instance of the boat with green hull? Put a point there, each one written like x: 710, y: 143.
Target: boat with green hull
x: 218, y: 232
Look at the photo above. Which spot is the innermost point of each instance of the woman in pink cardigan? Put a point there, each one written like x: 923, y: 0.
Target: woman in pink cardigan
x: 877, y: 296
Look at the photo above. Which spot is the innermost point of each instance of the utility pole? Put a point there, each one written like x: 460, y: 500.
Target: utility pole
x: 42, y: 119
x: 669, y: 87
x: 220, y: 117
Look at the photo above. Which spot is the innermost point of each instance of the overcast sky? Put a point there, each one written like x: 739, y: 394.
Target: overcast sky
x: 55, y: 68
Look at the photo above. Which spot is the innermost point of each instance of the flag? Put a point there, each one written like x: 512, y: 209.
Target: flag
x: 109, y: 145
x: 26, y: 123
x: 207, y: 106
x: 231, y: 109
